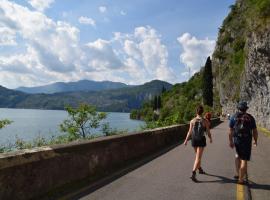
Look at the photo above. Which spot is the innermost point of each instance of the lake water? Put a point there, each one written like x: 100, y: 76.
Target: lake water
x: 29, y: 123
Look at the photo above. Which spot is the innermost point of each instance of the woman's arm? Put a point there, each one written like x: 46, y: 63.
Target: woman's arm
x: 189, y: 132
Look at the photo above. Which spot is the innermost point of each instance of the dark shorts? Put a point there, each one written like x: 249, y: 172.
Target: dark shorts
x: 243, y: 148
x: 198, y: 143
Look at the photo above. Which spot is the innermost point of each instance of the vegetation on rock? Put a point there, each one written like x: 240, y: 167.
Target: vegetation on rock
x: 245, y: 17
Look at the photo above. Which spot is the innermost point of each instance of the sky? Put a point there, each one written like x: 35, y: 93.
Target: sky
x: 133, y: 42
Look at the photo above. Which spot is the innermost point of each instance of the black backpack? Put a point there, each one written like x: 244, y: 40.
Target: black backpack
x: 242, y: 125
x: 198, y: 130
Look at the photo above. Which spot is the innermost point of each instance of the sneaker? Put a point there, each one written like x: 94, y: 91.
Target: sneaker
x: 193, y: 177
x: 236, y: 177
x: 241, y: 182
x: 201, y: 171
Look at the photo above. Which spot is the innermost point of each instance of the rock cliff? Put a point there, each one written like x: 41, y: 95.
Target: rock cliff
x: 241, y: 60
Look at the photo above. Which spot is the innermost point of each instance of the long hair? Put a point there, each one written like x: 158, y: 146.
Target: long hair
x: 199, y: 110
x: 208, y: 116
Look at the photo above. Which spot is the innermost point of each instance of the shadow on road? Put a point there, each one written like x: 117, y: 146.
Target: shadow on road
x: 75, y: 195
x: 221, y: 179
x: 256, y: 186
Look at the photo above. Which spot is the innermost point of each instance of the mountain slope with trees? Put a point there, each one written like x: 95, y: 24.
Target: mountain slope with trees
x: 82, y: 85
x: 178, y: 104
x: 117, y: 100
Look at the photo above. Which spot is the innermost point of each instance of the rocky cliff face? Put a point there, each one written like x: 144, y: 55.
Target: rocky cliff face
x: 256, y: 81
x: 241, y: 60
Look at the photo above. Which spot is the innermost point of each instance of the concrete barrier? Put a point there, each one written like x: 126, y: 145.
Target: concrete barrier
x: 31, y: 174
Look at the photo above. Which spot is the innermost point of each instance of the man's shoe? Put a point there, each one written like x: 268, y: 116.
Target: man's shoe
x: 241, y: 182
x: 236, y: 177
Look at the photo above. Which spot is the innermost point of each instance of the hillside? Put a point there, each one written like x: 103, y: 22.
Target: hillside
x: 177, y: 104
x: 118, y: 100
x: 241, y: 60
x: 10, y: 98
x: 82, y: 85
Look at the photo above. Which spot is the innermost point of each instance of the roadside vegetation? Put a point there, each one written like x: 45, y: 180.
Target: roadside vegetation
x: 78, y: 127
x: 265, y: 131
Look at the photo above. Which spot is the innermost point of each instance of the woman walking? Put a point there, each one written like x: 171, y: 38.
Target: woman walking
x: 198, y: 127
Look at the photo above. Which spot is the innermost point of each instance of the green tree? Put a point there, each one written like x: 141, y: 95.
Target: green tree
x: 163, y: 89
x: 4, y: 122
x: 159, y: 102
x: 155, y: 107
x: 81, y: 120
x: 207, y: 83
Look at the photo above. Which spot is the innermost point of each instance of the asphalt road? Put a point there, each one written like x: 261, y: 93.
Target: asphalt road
x: 168, y: 176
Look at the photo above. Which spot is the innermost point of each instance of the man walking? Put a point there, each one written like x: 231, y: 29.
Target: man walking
x: 242, y: 128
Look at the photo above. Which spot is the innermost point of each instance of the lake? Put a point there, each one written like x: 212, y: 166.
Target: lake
x: 30, y: 123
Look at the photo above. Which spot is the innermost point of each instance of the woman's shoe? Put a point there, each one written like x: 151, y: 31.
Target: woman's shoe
x: 193, y: 176
x: 201, y: 171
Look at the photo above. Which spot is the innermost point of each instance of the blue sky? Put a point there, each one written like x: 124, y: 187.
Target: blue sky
x: 46, y: 41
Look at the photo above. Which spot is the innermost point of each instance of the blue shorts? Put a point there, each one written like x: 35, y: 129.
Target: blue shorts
x: 243, y: 148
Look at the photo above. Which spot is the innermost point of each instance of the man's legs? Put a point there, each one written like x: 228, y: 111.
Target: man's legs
x: 242, y: 170
x: 237, y: 165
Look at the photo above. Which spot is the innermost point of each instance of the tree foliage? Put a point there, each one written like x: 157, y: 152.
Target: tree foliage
x: 207, y: 83
x: 81, y: 120
x: 4, y: 123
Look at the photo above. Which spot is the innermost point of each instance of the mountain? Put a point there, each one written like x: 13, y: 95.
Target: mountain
x: 117, y: 100
x: 10, y: 98
x: 82, y: 85
x: 241, y: 60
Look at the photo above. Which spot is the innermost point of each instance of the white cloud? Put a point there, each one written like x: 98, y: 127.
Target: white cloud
x: 7, y: 37
x: 40, y: 5
x: 100, y: 56
x: 51, y: 46
x: 146, y: 55
x: 87, y: 20
x: 195, y: 51
x: 102, y: 9
x: 51, y: 51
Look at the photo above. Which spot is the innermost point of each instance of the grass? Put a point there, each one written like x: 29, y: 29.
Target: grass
x: 265, y: 131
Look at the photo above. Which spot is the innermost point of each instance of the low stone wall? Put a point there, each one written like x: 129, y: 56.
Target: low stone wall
x: 32, y: 173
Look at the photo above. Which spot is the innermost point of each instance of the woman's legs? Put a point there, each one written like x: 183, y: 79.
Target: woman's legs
x: 197, y: 162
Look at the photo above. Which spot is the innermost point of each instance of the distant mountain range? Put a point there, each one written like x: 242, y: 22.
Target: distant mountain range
x: 111, y: 100
x: 82, y: 85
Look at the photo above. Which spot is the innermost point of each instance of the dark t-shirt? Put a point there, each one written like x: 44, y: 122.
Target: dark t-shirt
x: 233, y: 121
